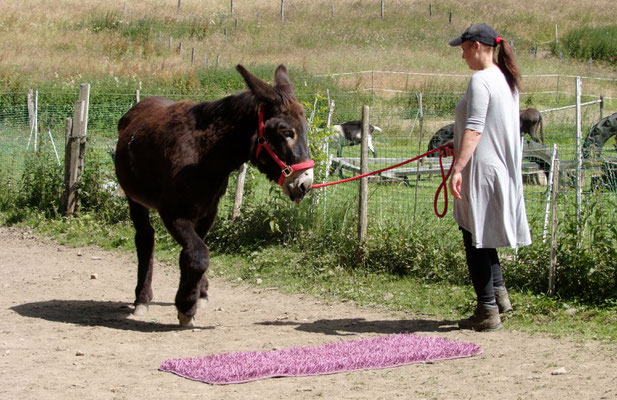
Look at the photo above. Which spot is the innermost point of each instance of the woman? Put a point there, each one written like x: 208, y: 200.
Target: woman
x: 486, y: 176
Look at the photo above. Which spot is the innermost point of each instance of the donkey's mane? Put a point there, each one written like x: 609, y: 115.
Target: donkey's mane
x: 234, y: 107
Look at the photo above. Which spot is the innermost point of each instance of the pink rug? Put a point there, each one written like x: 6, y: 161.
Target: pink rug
x: 371, y: 353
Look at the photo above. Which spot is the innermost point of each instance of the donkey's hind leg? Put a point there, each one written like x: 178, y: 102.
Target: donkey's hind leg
x: 144, y: 242
x: 194, y: 261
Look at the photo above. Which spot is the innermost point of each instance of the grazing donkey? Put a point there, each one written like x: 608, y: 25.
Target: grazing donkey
x: 350, y: 134
x: 531, y: 120
x: 176, y: 157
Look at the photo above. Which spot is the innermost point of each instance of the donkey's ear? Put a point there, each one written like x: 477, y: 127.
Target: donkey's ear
x: 282, y: 84
x: 260, y: 89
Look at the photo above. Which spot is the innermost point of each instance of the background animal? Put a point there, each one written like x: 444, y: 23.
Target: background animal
x: 176, y: 157
x: 531, y: 121
x: 350, y: 134
x: 441, y: 137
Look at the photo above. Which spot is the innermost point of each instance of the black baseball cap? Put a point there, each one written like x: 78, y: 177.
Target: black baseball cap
x: 478, y: 33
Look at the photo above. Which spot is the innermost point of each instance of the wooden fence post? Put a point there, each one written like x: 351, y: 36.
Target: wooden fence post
x: 71, y: 160
x: 239, y: 192
x: 549, y: 192
x: 84, y: 95
x: 34, y: 117
x: 282, y: 10
x: 30, y: 109
x: 421, y: 121
x: 75, y: 149
x: 363, y: 196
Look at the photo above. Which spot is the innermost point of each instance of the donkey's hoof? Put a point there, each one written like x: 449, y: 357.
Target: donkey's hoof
x: 202, y: 302
x: 186, y: 321
x: 140, y: 310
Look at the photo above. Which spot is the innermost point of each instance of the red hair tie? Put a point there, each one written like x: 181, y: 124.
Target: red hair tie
x: 498, y: 40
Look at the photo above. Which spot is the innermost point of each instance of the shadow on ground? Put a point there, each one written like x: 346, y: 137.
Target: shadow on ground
x: 351, y: 326
x: 110, y: 314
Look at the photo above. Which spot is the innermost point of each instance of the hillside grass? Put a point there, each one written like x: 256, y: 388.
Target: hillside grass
x: 73, y: 40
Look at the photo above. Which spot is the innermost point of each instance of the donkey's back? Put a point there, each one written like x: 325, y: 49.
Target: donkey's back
x: 158, y: 151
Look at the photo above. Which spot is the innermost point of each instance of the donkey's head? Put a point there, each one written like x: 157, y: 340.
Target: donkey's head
x: 280, y: 145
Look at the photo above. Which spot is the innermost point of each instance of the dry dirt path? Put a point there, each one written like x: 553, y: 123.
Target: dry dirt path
x: 64, y: 335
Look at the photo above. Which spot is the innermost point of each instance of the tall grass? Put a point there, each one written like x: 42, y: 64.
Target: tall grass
x: 74, y: 39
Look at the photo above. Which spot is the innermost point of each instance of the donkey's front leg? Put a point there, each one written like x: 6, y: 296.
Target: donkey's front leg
x: 202, y: 228
x: 194, y: 261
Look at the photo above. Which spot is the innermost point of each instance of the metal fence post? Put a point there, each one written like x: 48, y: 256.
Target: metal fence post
x: 553, y: 263
x: 579, y: 154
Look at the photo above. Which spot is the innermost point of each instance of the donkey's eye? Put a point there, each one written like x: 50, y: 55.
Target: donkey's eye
x: 288, y: 133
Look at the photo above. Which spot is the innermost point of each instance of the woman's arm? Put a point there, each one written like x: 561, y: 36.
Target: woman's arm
x: 468, y: 145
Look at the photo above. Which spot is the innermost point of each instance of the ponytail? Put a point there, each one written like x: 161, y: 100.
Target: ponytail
x: 507, y: 65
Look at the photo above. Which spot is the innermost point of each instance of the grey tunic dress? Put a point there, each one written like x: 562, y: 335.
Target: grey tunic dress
x: 492, y: 206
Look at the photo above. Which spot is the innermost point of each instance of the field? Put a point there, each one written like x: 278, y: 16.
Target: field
x: 72, y: 39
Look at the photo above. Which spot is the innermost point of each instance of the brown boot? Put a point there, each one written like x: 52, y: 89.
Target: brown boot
x: 503, y: 300
x: 485, y: 318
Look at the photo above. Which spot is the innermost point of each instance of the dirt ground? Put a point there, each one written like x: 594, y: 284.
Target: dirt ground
x: 66, y: 332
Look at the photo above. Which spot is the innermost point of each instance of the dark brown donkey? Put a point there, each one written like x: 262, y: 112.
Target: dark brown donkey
x: 176, y: 157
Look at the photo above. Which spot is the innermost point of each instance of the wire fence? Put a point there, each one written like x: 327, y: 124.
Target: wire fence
x: 408, y: 108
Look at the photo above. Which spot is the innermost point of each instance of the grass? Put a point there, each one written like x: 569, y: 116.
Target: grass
x: 533, y: 313
x: 75, y: 39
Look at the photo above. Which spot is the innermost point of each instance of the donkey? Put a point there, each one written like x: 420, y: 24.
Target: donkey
x: 531, y: 120
x: 176, y: 158
x: 350, y: 134
x: 441, y: 137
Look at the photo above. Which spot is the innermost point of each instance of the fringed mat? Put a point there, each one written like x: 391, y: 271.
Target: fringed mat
x: 371, y: 353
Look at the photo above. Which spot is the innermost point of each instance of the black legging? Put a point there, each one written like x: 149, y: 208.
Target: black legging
x: 484, y: 270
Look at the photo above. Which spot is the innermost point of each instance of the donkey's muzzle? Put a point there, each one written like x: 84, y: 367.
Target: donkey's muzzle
x: 298, y: 184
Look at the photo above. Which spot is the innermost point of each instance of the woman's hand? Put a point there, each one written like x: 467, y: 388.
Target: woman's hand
x: 447, y: 150
x: 455, y: 184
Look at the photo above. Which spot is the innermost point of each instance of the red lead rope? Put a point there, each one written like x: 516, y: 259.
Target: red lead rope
x: 442, y: 185
x: 287, y: 170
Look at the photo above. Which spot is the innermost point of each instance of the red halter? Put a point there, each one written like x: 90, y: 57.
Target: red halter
x: 286, y: 170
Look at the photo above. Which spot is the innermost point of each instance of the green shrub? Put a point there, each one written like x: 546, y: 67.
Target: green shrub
x: 41, y: 184
x: 584, y: 43
x: 100, y: 193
